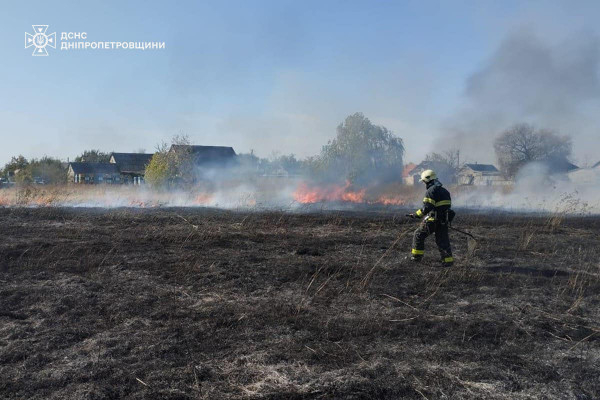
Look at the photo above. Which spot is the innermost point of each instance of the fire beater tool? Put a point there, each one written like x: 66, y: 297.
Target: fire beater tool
x: 463, y: 232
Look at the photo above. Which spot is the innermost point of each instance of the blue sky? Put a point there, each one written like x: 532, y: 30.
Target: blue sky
x: 263, y: 75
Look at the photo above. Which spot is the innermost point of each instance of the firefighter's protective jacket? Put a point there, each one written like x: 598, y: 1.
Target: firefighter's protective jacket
x: 437, y: 200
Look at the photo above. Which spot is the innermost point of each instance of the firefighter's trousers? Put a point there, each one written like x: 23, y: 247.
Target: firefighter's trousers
x: 427, y: 227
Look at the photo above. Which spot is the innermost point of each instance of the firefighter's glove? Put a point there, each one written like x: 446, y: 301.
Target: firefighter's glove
x: 413, y: 216
x: 451, y: 215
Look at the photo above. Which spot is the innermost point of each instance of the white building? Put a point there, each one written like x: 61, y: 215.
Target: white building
x: 481, y: 175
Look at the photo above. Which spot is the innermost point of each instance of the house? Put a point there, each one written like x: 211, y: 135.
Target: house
x: 205, y: 156
x: 558, y: 165
x: 132, y: 166
x: 93, y: 173
x: 585, y: 176
x: 407, y: 177
x: 481, y: 175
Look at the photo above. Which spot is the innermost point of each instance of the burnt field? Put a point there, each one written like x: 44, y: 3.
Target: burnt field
x: 209, y: 304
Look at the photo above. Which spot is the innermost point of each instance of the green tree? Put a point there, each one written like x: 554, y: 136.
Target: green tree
x: 158, y: 171
x: 288, y: 163
x: 24, y: 176
x: 168, y: 168
x: 15, y: 164
x: 49, y: 170
x: 250, y: 163
x: 46, y: 169
x: 360, y: 153
x: 93, y: 156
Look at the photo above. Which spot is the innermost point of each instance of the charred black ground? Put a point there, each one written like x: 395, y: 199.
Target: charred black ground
x: 198, y: 303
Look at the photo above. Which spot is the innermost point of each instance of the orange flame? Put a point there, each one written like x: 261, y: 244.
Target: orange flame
x: 308, y: 194
x: 204, y: 198
x: 387, y: 200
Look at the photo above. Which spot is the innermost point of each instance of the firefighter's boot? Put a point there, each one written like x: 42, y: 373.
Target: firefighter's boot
x: 447, y: 262
x: 416, y: 255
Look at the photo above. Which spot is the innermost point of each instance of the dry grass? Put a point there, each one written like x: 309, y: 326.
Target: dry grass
x: 207, y: 304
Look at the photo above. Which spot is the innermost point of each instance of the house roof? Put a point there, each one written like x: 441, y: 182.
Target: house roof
x: 559, y: 165
x: 94, y: 168
x: 482, y: 167
x: 585, y: 176
x: 204, y: 154
x: 131, y: 162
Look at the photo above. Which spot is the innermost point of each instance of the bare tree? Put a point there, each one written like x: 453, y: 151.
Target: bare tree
x: 522, y: 144
x: 446, y: 164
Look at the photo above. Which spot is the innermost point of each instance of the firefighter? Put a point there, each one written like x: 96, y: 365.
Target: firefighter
x: 436, y: 215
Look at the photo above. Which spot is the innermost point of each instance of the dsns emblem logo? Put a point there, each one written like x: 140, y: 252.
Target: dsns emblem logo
x: 39, y: 40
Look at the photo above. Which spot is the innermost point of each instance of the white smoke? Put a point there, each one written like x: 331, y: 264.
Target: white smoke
x: 535, y: 190
x: 553, y: 86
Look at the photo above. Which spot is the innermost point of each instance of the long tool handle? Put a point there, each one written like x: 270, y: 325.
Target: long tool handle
x: 463, y: 232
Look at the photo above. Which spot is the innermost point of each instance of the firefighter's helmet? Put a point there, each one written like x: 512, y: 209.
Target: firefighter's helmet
x: 428, y: 175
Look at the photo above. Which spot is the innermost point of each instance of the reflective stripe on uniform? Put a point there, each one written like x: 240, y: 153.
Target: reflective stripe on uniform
x: 418, y: 252
x: 437, y: 203
x: 419, y: 213
x: 448, y: 259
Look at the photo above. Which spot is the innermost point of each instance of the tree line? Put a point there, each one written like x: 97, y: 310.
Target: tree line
x: 47, y: 170
x: 360, y: 153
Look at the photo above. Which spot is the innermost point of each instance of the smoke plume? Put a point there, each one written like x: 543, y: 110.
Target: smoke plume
x: 553, y: 86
